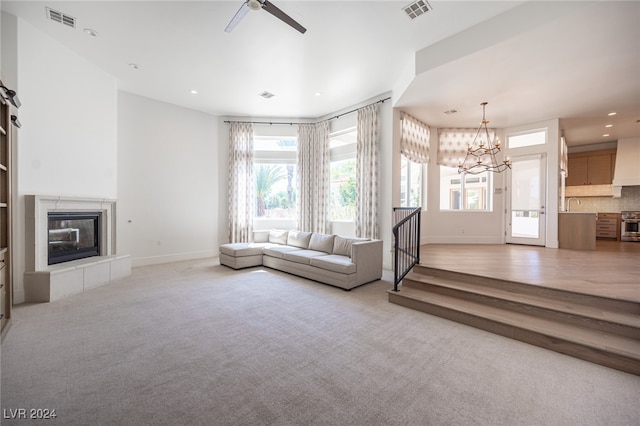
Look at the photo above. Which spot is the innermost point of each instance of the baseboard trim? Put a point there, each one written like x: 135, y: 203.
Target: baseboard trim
x: 177, y: 257
x: 463, y: 240
x: 18, y: 297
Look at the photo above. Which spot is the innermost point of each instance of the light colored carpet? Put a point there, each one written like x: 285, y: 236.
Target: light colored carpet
x: 196, y: 343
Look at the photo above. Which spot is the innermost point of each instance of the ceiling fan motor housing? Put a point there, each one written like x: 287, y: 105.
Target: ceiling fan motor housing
x: 254, y: 4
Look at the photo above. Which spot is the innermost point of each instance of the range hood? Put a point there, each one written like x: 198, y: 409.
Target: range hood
x: 627, y: 171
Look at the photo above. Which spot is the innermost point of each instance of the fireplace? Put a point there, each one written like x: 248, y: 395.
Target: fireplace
x: 72, y: 236
x: 63, y: 216
x: 63, y: 229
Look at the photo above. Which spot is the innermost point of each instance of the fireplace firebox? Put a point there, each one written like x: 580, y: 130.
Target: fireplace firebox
x: 73, y: 235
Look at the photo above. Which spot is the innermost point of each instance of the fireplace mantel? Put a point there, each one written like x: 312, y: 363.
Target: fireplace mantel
x: 44, y: 282
x: 42, y: 205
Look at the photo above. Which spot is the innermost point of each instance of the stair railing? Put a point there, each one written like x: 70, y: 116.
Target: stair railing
x: 406, y: 240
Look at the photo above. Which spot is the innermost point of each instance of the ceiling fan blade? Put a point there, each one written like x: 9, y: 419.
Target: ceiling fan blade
x: 244, y: 9
x: 269, y: 7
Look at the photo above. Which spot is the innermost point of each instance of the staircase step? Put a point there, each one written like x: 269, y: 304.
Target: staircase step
x: 603, y: 319
x: 559, y: 295
x: 603, y: 348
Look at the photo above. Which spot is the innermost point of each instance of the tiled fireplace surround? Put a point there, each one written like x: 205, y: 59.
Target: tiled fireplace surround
x: 46, y: 283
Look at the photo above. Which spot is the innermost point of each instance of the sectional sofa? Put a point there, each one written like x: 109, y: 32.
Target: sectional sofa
x: 339, y: 261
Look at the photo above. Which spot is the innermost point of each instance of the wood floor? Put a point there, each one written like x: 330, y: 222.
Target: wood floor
x: 612, y: 270
x: 581, y: 303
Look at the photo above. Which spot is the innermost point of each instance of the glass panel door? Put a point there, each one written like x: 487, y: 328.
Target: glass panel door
x: 526, y: 220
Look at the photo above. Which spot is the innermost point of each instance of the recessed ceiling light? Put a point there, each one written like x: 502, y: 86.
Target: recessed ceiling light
x: 92, y: 33
x: 605, y: 135
x: 609, y: 125
x: 612, y: 113
x: 318, y: 94
x: 267, y: 95
x: 134, y: 66
x: 194, y: 92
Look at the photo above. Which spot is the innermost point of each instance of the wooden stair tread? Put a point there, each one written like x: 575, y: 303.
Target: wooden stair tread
x: 595, y: 339
x: 527, y: 299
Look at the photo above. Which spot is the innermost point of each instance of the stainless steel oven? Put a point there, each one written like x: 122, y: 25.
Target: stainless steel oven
x: 629, y: 226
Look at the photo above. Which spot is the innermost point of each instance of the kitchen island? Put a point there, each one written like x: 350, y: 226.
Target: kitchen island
x: 577, y: 231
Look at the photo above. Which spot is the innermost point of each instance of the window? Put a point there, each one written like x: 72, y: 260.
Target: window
x: 411, y: 175
x: 275, y: 177
x: 470, y: 193
x: 538, y: 137
x: 342, y: 202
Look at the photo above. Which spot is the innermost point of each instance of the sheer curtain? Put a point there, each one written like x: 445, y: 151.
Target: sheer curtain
x: 313, y: 177
x: 241, y: 197
x: 367, y: 173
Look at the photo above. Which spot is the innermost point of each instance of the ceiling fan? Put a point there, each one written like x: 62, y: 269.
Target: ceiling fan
x: 269, y: 7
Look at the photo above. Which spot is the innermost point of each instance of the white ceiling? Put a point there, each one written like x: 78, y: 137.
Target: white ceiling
x: 575, y: 61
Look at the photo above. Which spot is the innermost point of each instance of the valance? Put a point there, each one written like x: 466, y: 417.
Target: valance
x: 453, y: 143
x: 414, y: 139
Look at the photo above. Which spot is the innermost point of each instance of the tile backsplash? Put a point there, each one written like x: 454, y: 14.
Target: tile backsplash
x: 630, y: 200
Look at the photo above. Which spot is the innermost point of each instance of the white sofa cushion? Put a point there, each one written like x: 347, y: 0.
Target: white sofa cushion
x: 299, y: 239
x: 302, y: 256
x: 335, y: 263
x: 278, y: 236
x: 321, y: 242
x: 278, y: 250
x: 243, y: 249
x: 342, y: 245
x: 261, y: 236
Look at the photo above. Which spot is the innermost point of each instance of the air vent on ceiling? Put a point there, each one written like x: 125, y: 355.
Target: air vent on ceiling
x: 451, y: 112
x: 417, y: 8
x: 267, y: 95
x: 61, y: 18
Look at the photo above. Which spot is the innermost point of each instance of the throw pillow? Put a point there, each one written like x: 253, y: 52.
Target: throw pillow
x: 278, y: 236
x: 342, y: 245
x: 299, y: 239
x: 321, y: 242
x: 260, y: 236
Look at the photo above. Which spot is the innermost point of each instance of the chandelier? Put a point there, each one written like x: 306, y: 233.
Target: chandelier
x: 481, y: 153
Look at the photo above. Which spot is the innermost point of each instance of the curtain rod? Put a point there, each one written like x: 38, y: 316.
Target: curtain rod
x: 292, y: 123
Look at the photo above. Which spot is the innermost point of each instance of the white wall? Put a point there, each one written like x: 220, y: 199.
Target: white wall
x: 168, y: 182
x: 9, y: 49
x: 67, y: 144
x: 68, y: 139
x: 1, y: 38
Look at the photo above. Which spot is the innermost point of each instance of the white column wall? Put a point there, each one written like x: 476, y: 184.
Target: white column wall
x: 168, y: 194
x: 67, y: 144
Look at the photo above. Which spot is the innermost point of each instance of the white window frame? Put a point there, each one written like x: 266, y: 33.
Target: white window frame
x: 340, y: 153
x: 463, y: 189
x: 405, y: 186
x: 282, y: 157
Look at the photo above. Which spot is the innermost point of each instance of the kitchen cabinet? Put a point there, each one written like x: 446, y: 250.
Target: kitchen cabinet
x: 577, y: 231
x: 591, y: 167
x: 608, y: 226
